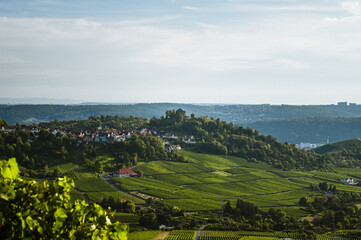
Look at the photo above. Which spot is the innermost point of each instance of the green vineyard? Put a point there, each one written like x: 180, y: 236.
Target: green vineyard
x: 70, y: 174
x: 239, y: 235
x: 232, y: 235
x: 145, y: 235
x: 181, y: 235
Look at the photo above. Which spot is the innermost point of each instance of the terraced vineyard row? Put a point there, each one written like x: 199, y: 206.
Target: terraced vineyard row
x: 181, y: 235
x: 245, y: 235
x: 145, y: 235
x: 202, y: 183
x: 70, y: 174
x: 238, y: 235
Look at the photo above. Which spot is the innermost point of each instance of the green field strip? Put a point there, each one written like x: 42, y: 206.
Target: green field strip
x: 153, y: 168
x: 141, y: 183
x: 238, y: 170
x: 211, y: 161
x: 97, y: 196
x: 129, y: 218
x: 64, y: 167
x: 177, y: 179
x: 83, y: 172
x: 288, y: 174
x: 144, y: 235
x: 181, y: 235
x: 93, y: 185
x: 194, y: 205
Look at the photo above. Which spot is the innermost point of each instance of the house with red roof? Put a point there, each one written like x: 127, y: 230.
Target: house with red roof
x: 125, y: 172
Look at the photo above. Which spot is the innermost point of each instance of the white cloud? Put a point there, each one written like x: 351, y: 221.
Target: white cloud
x: 353, y: 7
x: 192, y: 8
x: 283, y: 43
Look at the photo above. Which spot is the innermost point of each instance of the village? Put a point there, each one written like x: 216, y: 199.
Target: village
x: 85, y: 136
x: 171, y: 141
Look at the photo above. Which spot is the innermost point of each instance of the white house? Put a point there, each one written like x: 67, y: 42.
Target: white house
x: 189, y: 139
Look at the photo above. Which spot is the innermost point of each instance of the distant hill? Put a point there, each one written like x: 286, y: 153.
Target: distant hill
x: 237, y: 114
x: 313, y: 130
x: 37, y: 101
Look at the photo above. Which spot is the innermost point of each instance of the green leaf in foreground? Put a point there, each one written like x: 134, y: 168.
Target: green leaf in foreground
x: 43, y: 210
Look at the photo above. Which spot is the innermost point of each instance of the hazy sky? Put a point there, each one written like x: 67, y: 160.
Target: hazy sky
x: 235, y: 51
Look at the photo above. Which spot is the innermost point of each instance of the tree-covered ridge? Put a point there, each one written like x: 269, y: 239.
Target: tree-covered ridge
x: 37, y: 150
x: 3, y: 122
x: 212, y: 135
x: 312, y: 129
x: 43, y: 210
x: 220, y: 137
x: 93, y: 122
x: 238, y: 114
x: 347, y: 152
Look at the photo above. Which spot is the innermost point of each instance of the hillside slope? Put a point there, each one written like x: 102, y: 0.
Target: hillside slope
x: 238, y: 114
x: 338, y: 146
x: 208, y: 179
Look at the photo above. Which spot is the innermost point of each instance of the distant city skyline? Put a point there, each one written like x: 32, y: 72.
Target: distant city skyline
x: 183, y: 51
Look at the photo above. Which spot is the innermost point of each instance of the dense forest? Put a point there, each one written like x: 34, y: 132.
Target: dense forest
x: 313, y: 130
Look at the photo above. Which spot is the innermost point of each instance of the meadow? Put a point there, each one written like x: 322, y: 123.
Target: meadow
x: 207, y: 180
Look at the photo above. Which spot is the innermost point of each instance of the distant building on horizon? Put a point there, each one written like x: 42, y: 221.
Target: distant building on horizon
x: 342, y: 104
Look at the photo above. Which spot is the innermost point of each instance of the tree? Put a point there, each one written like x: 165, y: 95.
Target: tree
x: 228, y: 207
x: 323, y: 186
x: 98, y: 167
x: 43, y: 210
x: 3, y: 122
x: 303, y: 202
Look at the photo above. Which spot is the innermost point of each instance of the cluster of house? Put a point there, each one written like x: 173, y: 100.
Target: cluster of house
x: 102, y: 135
x: 308, y: 146
x: 349, y: 181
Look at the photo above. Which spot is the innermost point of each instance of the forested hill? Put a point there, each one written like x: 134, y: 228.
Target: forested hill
x: 3, y: 122
x: 238, y: 114
x: 348, y: 152
x: 220, y: 137
x: 314, y: 130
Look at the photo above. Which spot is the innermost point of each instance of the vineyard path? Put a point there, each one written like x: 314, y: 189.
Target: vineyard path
x: 199, y: 231
x: 161, y: 236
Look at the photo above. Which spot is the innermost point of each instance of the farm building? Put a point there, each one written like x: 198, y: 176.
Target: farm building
x: 126, y: 172
x: 348, y: 181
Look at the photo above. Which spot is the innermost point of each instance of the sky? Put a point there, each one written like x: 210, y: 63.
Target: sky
x: 184, y: 51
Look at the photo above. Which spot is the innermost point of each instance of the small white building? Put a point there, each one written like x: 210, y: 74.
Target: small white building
x: 189, y: 139
x: 348, y: 181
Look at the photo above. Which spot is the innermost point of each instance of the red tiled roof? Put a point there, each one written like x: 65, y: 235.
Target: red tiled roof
x: 126, y: 171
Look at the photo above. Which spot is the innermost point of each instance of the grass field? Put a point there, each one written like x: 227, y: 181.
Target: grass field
x: 207, y: 179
